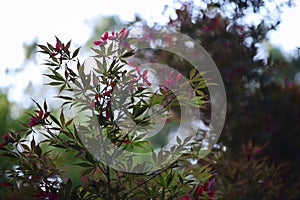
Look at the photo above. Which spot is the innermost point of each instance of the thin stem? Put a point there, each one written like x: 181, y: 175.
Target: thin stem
x: 108, y: 180
x: 139, y: 185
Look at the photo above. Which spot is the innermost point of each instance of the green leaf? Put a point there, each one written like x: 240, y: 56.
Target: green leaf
x: 161, y: 180
x: 75, y: 53
x: 178, y: 140
x: 89, y: 157
x: 170, y: 178
x: 109, y: 50
x: 55, y: 59
x: 138, y: 110
x: 127, y: 54
x: 57, y: 74
x: 24, y: 146
x: 84, y: 164
x: 72, y: 73
x: 68, y: 122
x: 50, y: 46
x: 43, y: 47
x: 62, y: 117
x: 197, y: 101
x: 32, y: 144
x: 154, y: 157
x: 36, y: 103
x: 53, y: 77
x: 64, y: 97
x: 38, y: 151
x: 45, y: 106
x: 129, y: 163
x: 55, y: 120
x: 68, y: 45
x: 87, y: 171
x: 78, y: 65
x: 49, y: 63
x: 192, y: 73
x: 98, y: 52
x: 55, y: 83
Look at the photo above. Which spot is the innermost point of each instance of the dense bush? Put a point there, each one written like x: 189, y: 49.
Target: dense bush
x: 257, y: 156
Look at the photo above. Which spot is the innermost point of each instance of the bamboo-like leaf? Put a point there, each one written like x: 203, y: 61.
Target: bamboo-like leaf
x: 55, y: 120
x: 43, y: 47
x: 75, y: 53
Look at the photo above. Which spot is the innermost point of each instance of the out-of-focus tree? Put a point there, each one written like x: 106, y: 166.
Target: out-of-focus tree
x: 7, y: 122
x: 261, y: 132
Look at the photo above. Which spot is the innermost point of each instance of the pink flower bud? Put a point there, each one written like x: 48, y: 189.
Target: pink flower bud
x: 145, y: 73
x: 171, y: 74
x: 138, y: 69
x: 123, y: 30
x: 199, y: 190
x: 178, y: 77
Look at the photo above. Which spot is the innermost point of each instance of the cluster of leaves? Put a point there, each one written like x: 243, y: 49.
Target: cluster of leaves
x: 261, y: 159
x: 38, y: 151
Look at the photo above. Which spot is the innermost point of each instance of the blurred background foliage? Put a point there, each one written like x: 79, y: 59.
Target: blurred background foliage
x: 262, y: 131
x: 261, y: 137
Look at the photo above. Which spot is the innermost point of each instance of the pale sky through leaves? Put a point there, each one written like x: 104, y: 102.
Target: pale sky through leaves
x: 24, y: 21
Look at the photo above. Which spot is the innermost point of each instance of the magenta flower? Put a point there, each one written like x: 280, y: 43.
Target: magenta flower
x: 257, y: 150
x: 58, y: 48
x: 186, y: 198
x: 211, y: 193
x: 100, y: 43
x: 102, y: 40
x: 36, y: 120
x: 33, y: 121
x: 123, y: 32
x: 108, y: 92
x: 106, y: 36
x: 199, y: 190
x: 143, y: 75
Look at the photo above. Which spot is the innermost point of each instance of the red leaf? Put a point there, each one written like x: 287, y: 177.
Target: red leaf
x: 97, y: 42
x: 105, y: 36
x: 5, y: 184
